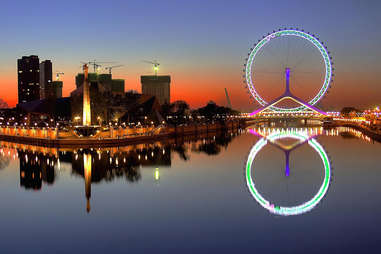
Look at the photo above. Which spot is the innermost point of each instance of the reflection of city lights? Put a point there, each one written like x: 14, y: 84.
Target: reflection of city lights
x: 295, y: 210
x: 87, y: 174
x: 157, y: 174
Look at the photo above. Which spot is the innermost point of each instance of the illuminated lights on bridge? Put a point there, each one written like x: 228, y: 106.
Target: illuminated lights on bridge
x: 316, y: 131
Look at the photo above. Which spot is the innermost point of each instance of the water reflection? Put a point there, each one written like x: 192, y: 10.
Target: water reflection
x: 41, y: 166
x: 299, y: 137
x: 35, y: 169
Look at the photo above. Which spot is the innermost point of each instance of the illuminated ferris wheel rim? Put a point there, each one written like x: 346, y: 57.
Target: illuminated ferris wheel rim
x: 289, y: 32
x: 294, y: 210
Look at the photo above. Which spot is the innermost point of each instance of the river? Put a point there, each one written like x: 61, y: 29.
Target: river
x: 263, y: 190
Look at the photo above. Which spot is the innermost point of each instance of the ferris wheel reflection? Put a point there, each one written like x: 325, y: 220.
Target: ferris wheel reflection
x: 301, y: 137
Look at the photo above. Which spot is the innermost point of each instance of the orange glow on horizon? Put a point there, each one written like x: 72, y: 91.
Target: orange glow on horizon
x: 198, y: 90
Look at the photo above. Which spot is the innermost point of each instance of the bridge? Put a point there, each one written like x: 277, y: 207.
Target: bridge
x: 303, y: 117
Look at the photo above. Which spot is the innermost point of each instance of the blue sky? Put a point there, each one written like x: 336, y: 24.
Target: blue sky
x: 202, y: 44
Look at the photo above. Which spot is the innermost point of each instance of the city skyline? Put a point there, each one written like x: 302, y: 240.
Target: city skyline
x: 201, y: 45
x: 190, y: 126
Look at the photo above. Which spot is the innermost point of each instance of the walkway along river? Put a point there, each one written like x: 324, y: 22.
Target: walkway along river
x: 111, y: 137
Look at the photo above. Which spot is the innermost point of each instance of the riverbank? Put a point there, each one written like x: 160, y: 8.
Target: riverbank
x: 372, y: 133
x: 123, y: 140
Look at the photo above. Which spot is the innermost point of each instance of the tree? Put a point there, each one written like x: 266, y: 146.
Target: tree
x: 349, y: 111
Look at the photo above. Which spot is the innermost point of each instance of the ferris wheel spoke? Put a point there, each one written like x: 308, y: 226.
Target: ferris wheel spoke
x: 305, y: 72
x: 274, y: 55
x: 287, y: 52
x: 299, y: 62
x: 268, y: 72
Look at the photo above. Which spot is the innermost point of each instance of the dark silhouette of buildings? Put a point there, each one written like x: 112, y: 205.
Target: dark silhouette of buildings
x: 55, y: 108
x: 35, y: 169
x: 49, y: 89
x: 28, y: 69
x: 35, y: 80
x: 104, y: 82
x: 158, y: 86
x: 45, y: 79
x: 55, y: 90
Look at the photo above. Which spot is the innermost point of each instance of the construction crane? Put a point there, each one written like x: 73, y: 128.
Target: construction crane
x: 109, y: 68
x: 96, y: 65
x: 228, y: 99
x: 58, y: 74
x: 155, y: 65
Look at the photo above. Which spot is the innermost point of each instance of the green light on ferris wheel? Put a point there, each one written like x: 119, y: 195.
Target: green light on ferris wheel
x: 294, y: 210
x: 289, y: 32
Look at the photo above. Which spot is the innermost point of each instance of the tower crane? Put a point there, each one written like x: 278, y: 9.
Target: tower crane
x: 155, y: 65
x: 58, y: 74
x: 109, y: 68
x: 96, y: 65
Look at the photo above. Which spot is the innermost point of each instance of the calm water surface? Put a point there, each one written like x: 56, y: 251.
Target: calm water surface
x: 193, y: 197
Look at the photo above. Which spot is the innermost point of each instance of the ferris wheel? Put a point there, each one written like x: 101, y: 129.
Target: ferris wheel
x: 250, y: 71
x: 288, y: 210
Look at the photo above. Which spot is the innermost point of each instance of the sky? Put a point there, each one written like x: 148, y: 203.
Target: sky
x: 201, y: 44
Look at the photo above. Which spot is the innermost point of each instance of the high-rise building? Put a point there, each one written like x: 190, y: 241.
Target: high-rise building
x: 28, y: 70
x: 56, y: 88
x: 45, y: 79
x: 158, y: 86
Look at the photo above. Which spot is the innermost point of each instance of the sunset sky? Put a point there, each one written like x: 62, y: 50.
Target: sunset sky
x: 202, y: 44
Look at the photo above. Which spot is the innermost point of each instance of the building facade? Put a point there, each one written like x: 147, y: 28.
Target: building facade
x: 45, y: 79
x: 158, y: 86
x: 56, y: 89
x: 28, y: 72
x: 104, y: 82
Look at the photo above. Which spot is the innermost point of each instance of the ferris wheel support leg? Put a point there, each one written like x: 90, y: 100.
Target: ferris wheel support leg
x: 267, y: 106
x: 288, y: 95
x: 287, y: 168
x: 315, y: 109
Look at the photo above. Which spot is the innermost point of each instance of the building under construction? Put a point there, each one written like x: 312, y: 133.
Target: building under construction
x: 158, y: 86
x: 104, y: 82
